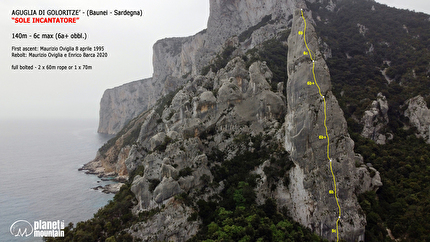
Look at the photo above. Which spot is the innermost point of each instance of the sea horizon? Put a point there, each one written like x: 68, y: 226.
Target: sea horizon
x: 39, y: 160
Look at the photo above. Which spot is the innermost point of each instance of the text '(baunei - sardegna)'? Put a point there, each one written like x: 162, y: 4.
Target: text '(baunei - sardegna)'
x: 66, y: 16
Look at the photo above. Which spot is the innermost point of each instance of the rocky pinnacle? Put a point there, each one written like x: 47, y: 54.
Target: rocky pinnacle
x: 311, y: 180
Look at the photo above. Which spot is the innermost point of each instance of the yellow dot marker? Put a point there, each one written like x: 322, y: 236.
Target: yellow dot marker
x: 326, y: 129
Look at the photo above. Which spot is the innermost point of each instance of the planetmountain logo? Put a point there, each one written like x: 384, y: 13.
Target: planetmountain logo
x: 40, y: 228
x: 21, y: 228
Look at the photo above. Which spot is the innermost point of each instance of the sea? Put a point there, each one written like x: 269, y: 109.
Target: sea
x: 39, y: 177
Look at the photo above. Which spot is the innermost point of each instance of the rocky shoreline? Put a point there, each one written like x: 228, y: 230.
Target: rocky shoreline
x: 110, y: 188
x: 95, y: 167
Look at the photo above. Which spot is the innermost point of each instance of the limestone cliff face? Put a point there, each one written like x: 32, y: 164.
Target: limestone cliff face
x: 311, y: 204
x: 172, y: 142
x: 375, y: 120
x: 175, y: 59
x: 209, y: 113
x: 419, y: 116
x: 232, y: 17
x: 119, y: 105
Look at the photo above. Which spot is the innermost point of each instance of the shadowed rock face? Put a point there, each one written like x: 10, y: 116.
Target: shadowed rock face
x: 311, y: 204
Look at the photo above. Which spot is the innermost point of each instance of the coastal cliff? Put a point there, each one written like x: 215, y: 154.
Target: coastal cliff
x: 176, y: 59
x: 238, y: 123
x: 236, y: 103
x: 121, y: 104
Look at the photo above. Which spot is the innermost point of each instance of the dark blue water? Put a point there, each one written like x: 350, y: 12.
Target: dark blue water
x: 39, y: 177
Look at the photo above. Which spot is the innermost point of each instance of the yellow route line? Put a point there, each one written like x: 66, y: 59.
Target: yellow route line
x: 325, y: 125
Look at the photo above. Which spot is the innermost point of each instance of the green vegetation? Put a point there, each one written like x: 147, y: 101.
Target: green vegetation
x: 107, y: 224
x: 247, y: 33
x: 165, y: 101
x: 131, y: 130
x: 251, y: 223
x: 220, y: 60
x: 274, y: 53
x: 153, y: 183
x: 130, y: 133
x: 401, y: 37
x: 356, y: 72
x: 224, y: 57
x: 403, y: 202
x: 162, y: 147
x: 234, y: 215
x: 187, y: 171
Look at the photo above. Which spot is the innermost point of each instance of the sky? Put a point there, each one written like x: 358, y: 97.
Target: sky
x: 413, y: 5
x: 55, y: 94
x: 76, y: 94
